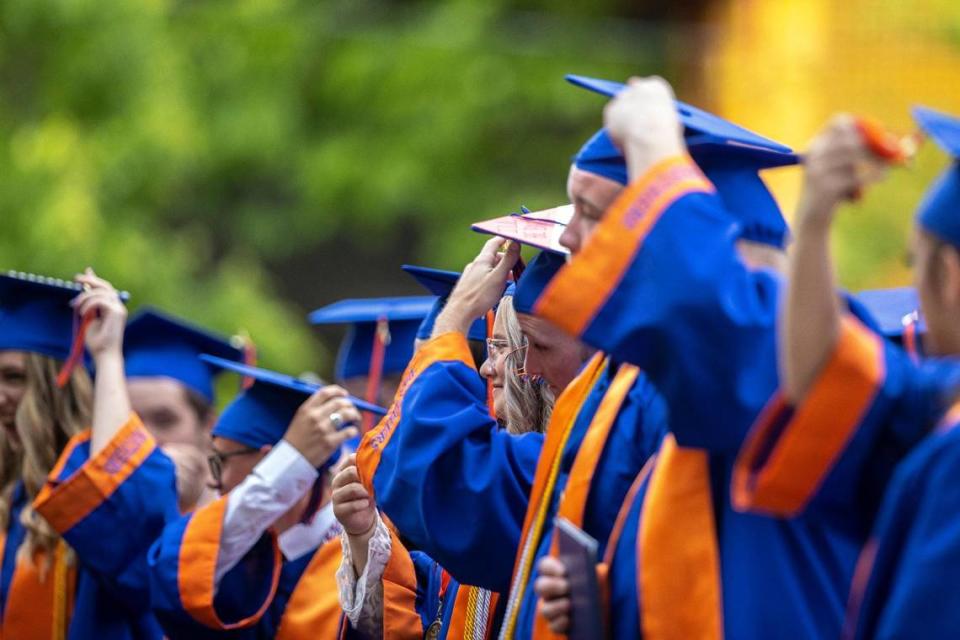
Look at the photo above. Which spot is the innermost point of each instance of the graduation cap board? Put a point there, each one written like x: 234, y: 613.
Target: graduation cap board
x: 701, y: 128
x: 260, y: 414
x: 939, y: 212
x: 896, y: 315
x: 381, y: 337
x: 156, y: 344
x: 36, y: 317
x: 729, y: 155
x: 539, y: 229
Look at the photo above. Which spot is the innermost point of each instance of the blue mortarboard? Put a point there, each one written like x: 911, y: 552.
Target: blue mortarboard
x: 535, y: 279
x: 892, y: 310
x: 35, y: 314
x: 729, y: 155
x: 440, y: 283
x: 156, y: 344
x: 403, y: 316
x: 939, y: 213
x: 260, y: 415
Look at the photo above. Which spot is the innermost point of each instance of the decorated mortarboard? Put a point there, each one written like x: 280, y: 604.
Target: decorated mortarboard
x: 260, y: 415
x: 538, y: 229
x: 36, y: 316
x: 729, y: 155
x: 440, y: 283
x: 159, y: 345
x: 939, y: 212
x: 534, y: 280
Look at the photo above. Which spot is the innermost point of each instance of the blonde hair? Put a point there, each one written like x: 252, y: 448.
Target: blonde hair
x: 528, y: 403
x: 46, y: 419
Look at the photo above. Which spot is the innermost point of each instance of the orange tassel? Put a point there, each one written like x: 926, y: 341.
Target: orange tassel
x: 885, y: 144
x: 493, y: 411
x: 76, y: 349
x: 381, y: 338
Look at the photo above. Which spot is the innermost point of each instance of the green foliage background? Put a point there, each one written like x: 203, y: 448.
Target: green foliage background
x: 240, y: 162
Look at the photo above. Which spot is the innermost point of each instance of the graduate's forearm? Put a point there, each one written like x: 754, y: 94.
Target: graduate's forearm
x: 810, y: 318
x: 111, y: 404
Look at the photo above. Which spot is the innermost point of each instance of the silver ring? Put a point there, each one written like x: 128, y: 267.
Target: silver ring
x: 337, y: 420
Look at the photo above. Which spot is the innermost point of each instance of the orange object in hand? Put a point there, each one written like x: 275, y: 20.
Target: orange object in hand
x: 884, y: 143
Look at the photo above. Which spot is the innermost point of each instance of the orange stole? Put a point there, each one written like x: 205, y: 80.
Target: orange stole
x: 573, y: 501
x: 678, y: 570
x: 314, y: 607
x: 39, y: 606
x: 548, y: 466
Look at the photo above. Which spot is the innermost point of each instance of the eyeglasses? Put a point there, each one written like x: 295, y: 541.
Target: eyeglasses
x: 216, y: 459
x: 497, y: 348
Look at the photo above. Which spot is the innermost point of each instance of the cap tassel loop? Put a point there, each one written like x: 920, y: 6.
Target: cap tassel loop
x: 381, y: 340
x: 493, y: 412
x: 76, y: 348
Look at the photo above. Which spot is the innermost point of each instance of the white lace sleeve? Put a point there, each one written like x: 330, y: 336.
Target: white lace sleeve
x: 362, y: 597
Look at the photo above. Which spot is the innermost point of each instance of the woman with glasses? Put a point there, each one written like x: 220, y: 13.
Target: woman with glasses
x: 370, y: 584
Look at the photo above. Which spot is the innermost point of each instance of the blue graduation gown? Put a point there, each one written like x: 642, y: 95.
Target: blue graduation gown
x: 129, y: 486
x: 263, y: 596
x: 459, y: 487
x: 453, y: 483
x: 667, y: 291
x: 905, y: 581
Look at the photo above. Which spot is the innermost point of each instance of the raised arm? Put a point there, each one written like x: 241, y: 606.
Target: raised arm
x: 837, y: 166
x: 111, y: 405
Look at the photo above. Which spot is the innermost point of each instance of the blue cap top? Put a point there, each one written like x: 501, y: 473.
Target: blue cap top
x: 892, y: 309
x: 535, y: 279
x: 156, y: 344
x: 260, y: 415
x: 35, y: 314
x: 730, y: 156
x: 440, y: 283
x: 403, y: 316
x: 701, y: 128
x: 939, y: 213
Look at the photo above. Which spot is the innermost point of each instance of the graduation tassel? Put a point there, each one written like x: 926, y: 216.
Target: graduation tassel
x: 490, y: 407
x: 76, y: 348
x: 381, y: 339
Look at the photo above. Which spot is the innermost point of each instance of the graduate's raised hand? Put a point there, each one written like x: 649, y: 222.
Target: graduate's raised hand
x: 642, y: 120
x: 317, y: 429
x: 108, y: 315
x: 480, y: 286
x: 553, y: 590
x: 352, y: 505
x: 838, y: 165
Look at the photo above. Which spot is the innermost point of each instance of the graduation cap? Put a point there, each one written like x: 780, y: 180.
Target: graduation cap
x: 539, y: 229
x: 892, y: 310
x: 36, y: 316
x: 260, y: 415
x: 159, y: 345
x: 440, y: 283
x: 701, y: 128
x: 939, y: 212
x: 534, y: 280
x: 729, y: 155
x: 381, y: 337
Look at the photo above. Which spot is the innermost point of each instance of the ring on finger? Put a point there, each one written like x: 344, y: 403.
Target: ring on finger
x: 337, y: 420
